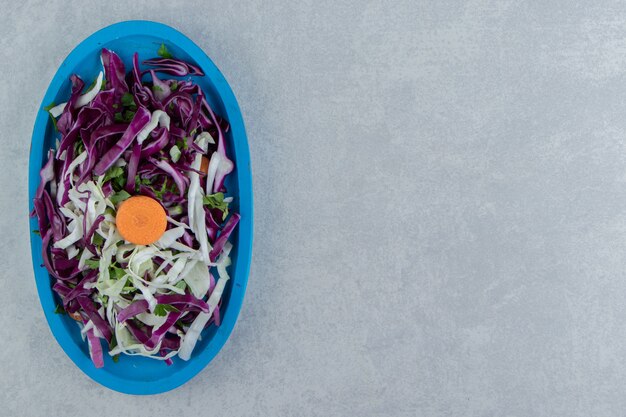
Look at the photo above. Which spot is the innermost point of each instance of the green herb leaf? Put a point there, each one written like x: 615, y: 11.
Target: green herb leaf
x: 128, y: 116
x: 116, y: 272
x: 182, y: 143
x: 163, y: 52
x: 59, y: 309
x: 113, y: 172
x: 97, y: 239
x: 128, y: 99
x: 119, y: 183
x: 162, y: 309
x: 156, y: 88
x: 128, y: 290
x: 37, y: 232
x: 175, y: 210
x: 92, y: 264
x: 159, y: 193
x: 115, y: 358
x: 119, y: 197
x: 113, y: 343
x: 116, y: 175
x: 79, y: 146
x: 181, y: 284
x: 174, y: 86
x: 216, y: 201
x: 125, y: 117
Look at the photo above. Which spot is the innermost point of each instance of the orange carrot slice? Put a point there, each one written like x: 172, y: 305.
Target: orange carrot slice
x: 141, y: 220
x: 204, y: 165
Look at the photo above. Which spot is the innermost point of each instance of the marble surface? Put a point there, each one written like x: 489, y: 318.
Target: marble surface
x: 439, y: 191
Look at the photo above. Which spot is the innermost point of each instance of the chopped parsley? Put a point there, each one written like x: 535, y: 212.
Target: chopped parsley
x: 163, y: 52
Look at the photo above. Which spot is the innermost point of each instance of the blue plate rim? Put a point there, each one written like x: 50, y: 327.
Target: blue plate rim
x: 202, y: 358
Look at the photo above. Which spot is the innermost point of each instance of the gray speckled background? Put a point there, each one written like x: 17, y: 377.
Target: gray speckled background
x: 440, y: 193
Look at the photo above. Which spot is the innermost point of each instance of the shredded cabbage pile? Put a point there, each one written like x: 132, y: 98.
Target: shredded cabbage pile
x: 137, y: 134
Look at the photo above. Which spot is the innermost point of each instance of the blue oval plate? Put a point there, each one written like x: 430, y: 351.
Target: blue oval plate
x: 132, y: 374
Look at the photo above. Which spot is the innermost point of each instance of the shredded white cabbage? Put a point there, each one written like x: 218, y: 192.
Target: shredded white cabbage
x: 195, y: 210
x: 159, y: 117
x: 193, y: 333
x: 203, y: 139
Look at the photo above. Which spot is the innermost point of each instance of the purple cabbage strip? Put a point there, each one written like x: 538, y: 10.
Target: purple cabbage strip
x: 173, y: 67
x: 187, y: 87
x: 95, y: 349
x: 105, y: 101
x: 66, y: 120
x: 91, y: 146
x: 223, y: 237
x: 64, y: 264
x: 195, y: 113
x: 39, y: 210
x: 162, y: 89
x: 140, y: 120
x: 114, y: 72
x: 135, y: 308
x: 88, y: 237
x: 46, y: 174
x: 146, y: 98
x: 102, y: 326
x: 171, y: 343
x: 61, y: 288
x: 221, y: 150
x: 147, y: 191
x: 176, y: 97
x: 211, y: 225
x: 155, y: 145
x: 133, y: 163
x: 55, y: 219
x: 136, y: 72
x: 107, y: 189
x: 179, y: 179
x: 45, y: 242
x: 168, y: 361
x: 187, y: 239
x: 87, y: 117
x: 137, y: 332
x: 177, y: 132
x: 186, y: 300
x: 159, y: 334
x: 80, y: 289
